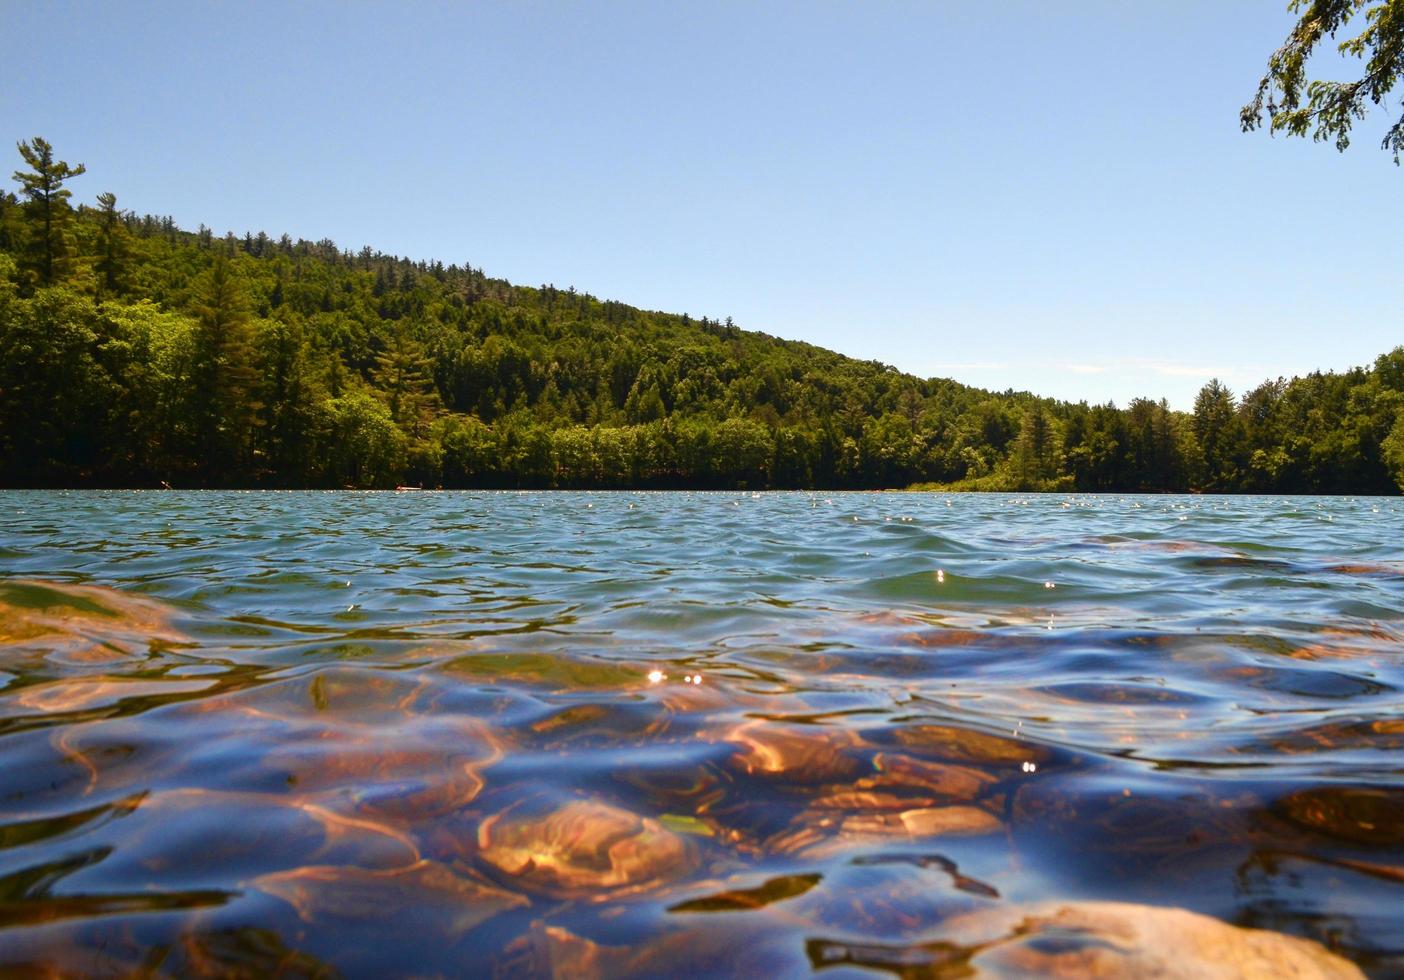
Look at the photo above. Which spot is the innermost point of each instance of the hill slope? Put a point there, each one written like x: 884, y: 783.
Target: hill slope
x: 134, y: 353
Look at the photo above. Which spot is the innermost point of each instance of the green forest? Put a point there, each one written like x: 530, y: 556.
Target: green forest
x: 137, y: 354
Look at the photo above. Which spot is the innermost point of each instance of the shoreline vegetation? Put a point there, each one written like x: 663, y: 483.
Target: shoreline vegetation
x: 137, y: 354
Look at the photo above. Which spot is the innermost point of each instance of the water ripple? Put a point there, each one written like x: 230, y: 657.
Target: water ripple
x: 616, y: 733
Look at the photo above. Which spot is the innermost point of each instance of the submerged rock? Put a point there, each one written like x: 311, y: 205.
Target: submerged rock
x: 419, y: 769
x: 203, y: 951
x: 1378, y: 569
x: 943, y: 780
x: 820, y: 833
x: 549, y: 670
x: 78, y: 625
x: 1362, y: 815
x: 239, y: 952
x: 422, y: 889
x: 553, y: 951
x: 792, y: 752
x: 582, y: 847
x: 88, y: 693
x: 969, y: 745
x: 182, y: 835
x: 1115, y: 939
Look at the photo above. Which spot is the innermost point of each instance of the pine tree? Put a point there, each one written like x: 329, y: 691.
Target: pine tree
x: 1034, y: 458
x: 404, y: 376
x: 1215, y: 429
x: 224, y: 374
x: 290, y: 394
x: 112, y: 246
x: 48, y: 255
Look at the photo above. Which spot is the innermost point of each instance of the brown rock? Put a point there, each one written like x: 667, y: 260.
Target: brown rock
x: 968, y: 745
x: 582, y: 847
x: 88, y: 693
x: 81, y: 624
x: 322, y: 892
x: 793, y: 752
x: 1115, y: 939
x: 1360, y: 814
x: 819, y: 833
x: 942, y: 779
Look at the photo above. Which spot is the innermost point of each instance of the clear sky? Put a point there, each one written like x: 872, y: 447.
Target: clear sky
x: 1043, y: 196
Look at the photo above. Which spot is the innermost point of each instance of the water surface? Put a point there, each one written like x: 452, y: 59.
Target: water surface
x: 310, y: 734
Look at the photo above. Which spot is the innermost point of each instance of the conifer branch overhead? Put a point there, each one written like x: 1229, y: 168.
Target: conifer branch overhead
x: 1326, y: 110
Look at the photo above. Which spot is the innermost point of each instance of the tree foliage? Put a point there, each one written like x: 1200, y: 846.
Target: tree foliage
x: 1322, y: 109
x: 48, y: 247
x: 160, y: 355
x: 1394, y: 451
x: 110, y: 257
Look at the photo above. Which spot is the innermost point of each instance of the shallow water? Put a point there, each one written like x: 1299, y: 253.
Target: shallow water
x: 517, y: 734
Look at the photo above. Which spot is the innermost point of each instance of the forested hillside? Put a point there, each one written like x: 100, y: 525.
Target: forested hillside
x: 133, y: 353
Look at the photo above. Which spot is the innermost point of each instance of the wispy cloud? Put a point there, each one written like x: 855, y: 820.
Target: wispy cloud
x: 1176, y: 370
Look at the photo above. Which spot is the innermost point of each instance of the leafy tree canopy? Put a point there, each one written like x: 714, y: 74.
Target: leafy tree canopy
x: 145, y: 354
x: 1324, y: 109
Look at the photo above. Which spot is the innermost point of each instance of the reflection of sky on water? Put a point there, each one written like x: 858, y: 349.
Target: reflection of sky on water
x: 372, y: 729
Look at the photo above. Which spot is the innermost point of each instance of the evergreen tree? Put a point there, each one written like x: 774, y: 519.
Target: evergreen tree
x: 1214, y: 419
x: 112, y: 246
x: 225, y: 378
x: 1035, y: 460
x: 1323, y: 109
x: 404, y: 378
x: 291, y: 397
x: 282, y: 366
x: 48, y: 247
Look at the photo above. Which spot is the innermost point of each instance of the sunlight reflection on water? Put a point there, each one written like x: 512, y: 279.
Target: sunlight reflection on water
x: 367, y: 732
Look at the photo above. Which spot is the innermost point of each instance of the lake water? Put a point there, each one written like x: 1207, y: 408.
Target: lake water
x: 504, y: 734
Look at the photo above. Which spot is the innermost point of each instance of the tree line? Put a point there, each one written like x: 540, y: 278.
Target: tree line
x: 135, y: 353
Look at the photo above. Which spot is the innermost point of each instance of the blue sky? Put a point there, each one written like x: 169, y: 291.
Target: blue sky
x: 1052, y: 197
